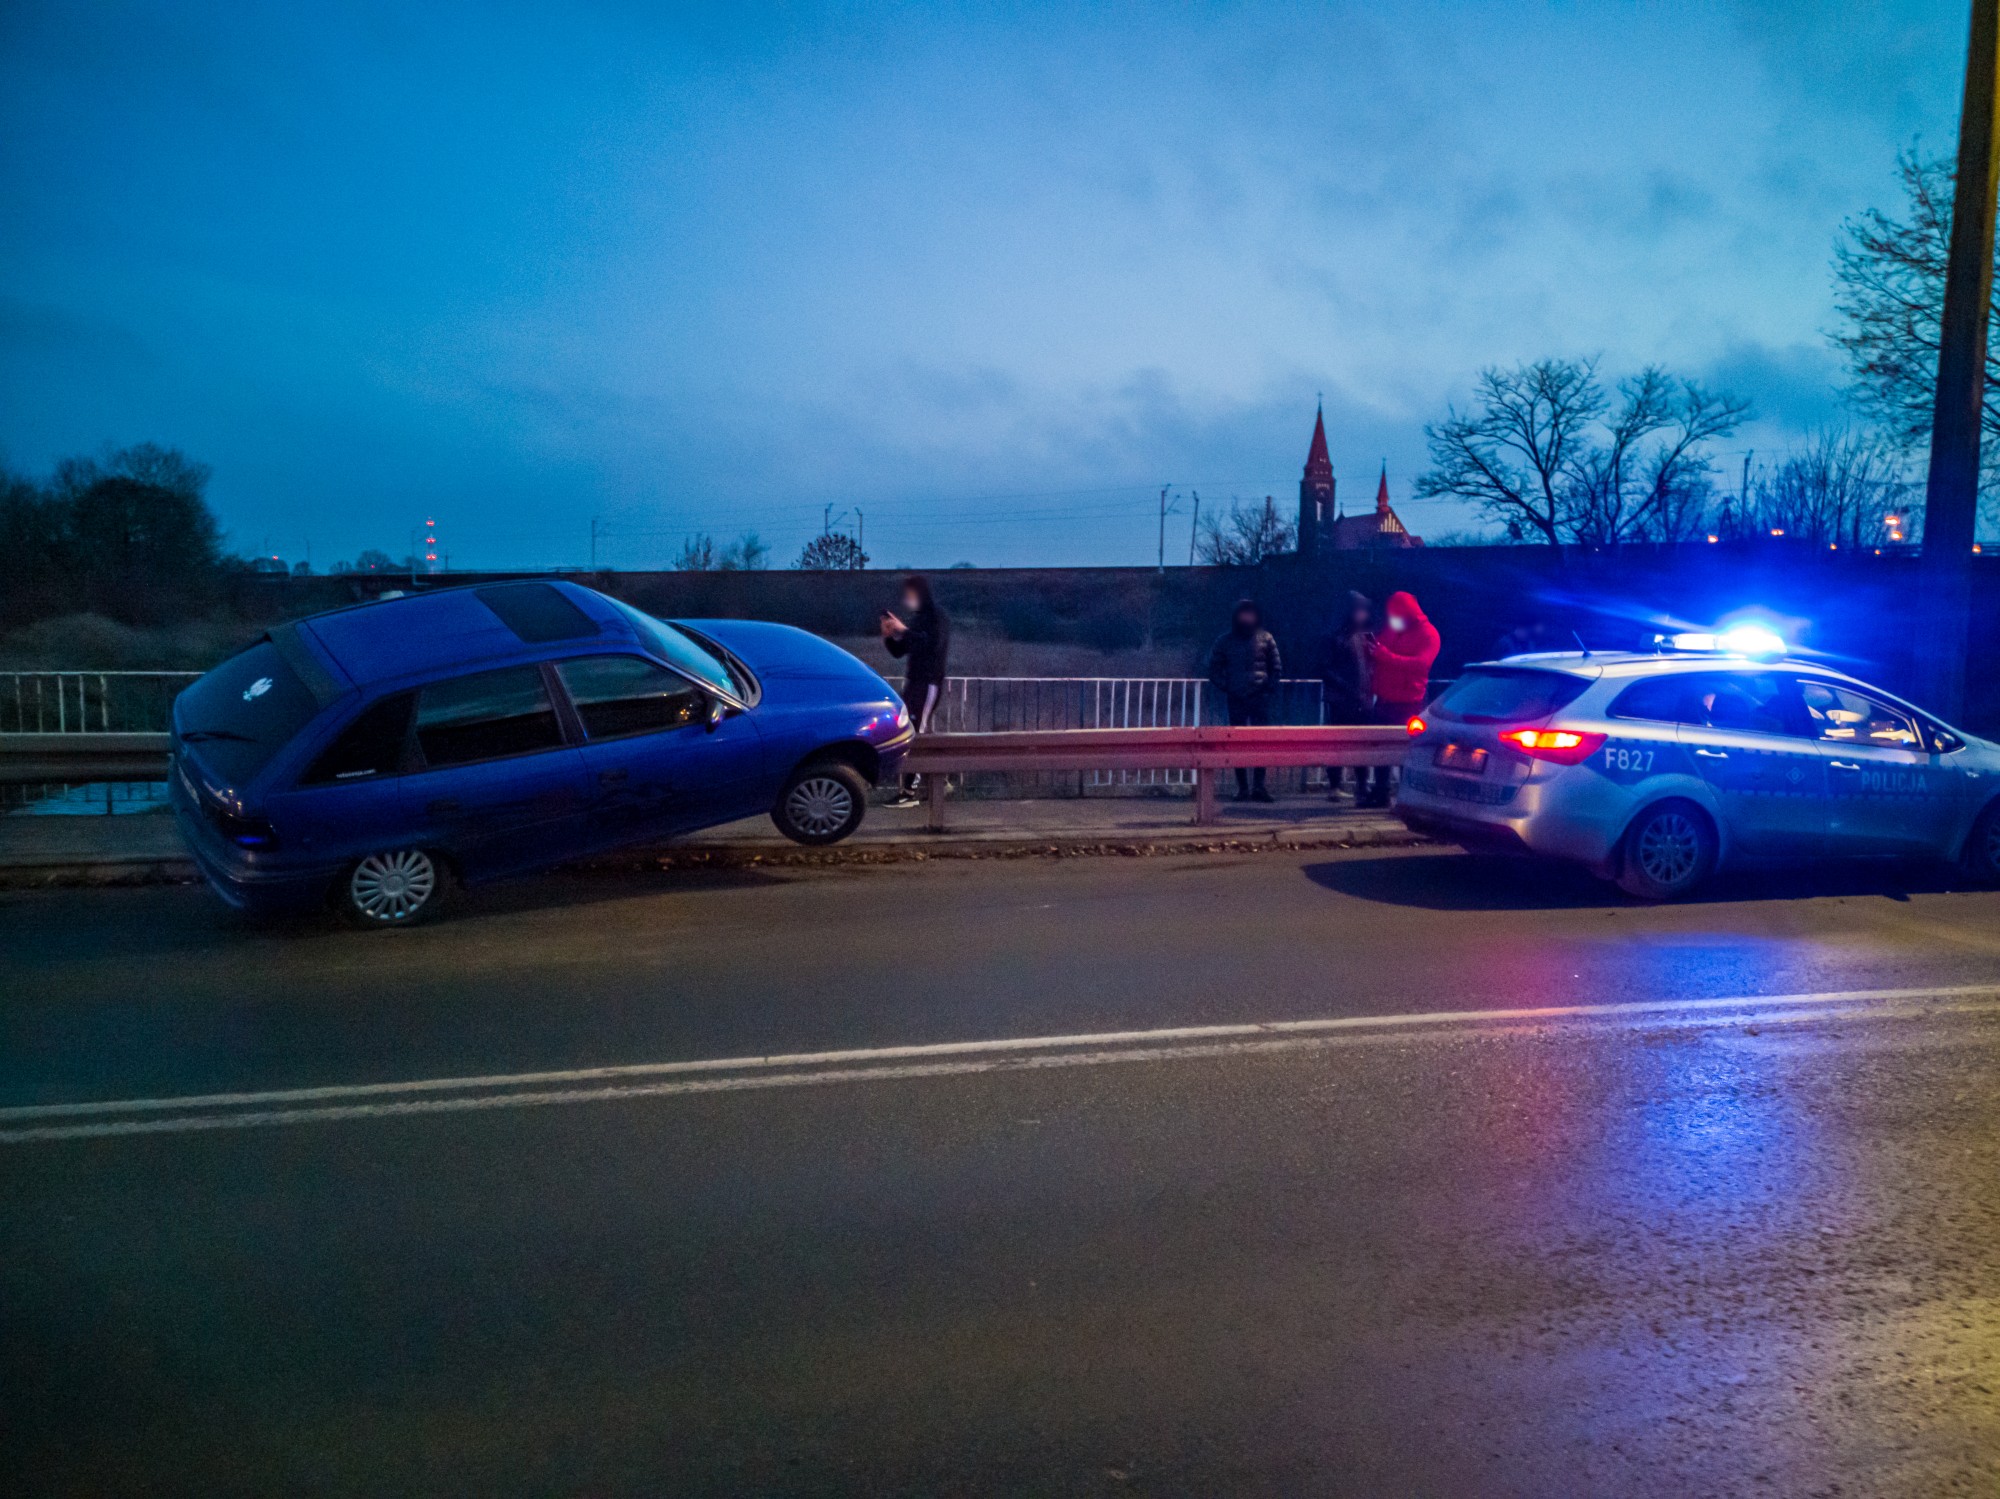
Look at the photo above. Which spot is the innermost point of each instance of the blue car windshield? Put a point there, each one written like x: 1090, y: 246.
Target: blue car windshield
x: 679, y: 650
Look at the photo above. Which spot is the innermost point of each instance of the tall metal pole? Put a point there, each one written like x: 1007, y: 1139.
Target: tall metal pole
x: 1951, y: 498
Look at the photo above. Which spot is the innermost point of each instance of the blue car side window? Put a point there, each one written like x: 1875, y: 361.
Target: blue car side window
x: 620, y: 695
x: 487, y: 716
x: 376, y: 743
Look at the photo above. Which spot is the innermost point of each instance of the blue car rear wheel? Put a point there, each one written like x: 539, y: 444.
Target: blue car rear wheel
x: 398, y: 888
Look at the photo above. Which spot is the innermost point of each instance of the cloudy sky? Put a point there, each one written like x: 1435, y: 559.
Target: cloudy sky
x: 991, y: 275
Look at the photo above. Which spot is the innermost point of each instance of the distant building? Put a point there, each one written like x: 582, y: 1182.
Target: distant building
x: 1380, y: 527
x: 1321, y: 525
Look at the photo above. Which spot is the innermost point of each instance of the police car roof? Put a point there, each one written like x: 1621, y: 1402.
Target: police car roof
x: 1651, y: 663
x: 452, y: 627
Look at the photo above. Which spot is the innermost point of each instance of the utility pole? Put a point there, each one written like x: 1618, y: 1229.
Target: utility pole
x: 860, y: 531
x: 1194, y: 526
x: 1163, y: 526
x: 1951, y: 496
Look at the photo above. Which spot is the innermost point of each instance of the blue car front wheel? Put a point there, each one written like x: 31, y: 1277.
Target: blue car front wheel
x: 822, y: 802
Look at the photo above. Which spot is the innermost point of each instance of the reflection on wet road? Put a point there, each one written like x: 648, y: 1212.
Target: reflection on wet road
x: 1143, y: 1177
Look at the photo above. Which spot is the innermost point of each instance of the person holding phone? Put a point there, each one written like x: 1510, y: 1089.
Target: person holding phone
x: 921, y: 639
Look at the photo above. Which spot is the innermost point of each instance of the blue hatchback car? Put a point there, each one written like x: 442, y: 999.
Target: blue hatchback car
x: 379, y: 754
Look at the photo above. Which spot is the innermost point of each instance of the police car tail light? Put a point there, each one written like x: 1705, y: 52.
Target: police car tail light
x: 1416, y: 726
x: 1564, y: 746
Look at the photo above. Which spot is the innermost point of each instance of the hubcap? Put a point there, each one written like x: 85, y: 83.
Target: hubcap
x: 820, y: 805
x: 1669, y: 847
x: 392, y: 887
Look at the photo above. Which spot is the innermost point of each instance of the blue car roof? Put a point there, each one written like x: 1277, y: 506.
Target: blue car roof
x: 455, y: 627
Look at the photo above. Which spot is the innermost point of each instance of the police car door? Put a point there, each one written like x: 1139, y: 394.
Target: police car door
x: 1887, y: 791
x: 1748, y: 736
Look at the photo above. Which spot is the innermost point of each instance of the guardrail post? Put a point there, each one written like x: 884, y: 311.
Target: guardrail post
x: 1204, y: 797
x: 935, y: 786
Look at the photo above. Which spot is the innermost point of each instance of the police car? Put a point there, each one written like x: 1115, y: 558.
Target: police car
x: 1653, y: 769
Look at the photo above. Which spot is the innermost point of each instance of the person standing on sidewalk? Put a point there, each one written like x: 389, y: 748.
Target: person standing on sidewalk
x: 1347, y: 682
x: 1400, y: 659
x: 923, y: 643
x: 1243, y: 666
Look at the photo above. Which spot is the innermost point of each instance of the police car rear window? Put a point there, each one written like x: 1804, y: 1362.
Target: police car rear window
x: 536, y: 612
x: 1507, y: 695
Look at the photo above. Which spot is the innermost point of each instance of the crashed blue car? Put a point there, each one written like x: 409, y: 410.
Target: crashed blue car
x: 377, y: 756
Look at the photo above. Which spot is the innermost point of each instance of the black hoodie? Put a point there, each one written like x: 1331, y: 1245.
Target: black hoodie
x: 926, y: 644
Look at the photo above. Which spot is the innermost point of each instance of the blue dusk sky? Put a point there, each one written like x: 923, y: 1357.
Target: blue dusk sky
x: 990, y: 274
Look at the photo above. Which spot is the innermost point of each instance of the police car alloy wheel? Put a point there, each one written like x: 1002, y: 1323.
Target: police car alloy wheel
x: 821, y: 803
x: 393, y: 889
x: 1669, y: 850
x: 1982, y: 849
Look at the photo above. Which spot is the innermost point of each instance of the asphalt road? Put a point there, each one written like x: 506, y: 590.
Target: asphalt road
x: 1381, y: 1173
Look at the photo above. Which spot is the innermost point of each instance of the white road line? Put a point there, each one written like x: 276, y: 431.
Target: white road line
x: 526, y: 1089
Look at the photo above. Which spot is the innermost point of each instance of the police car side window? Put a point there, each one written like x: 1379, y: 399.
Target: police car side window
x: 1658, y: 699
x: 1840, y: 716
x: 1748, y: 703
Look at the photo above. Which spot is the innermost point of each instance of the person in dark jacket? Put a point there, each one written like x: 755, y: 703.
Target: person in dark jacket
x: 1347, y: 689
x: 1401, y: 659
x: 1243, y: 666
x: 923, y: 643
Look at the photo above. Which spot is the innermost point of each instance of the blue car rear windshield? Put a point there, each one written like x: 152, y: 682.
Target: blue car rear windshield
x: 679, y: 650
x: 1507, y: 695
x: 242, y: 713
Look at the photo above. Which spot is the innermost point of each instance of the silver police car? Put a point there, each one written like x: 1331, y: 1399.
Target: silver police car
x: 1654, y: 769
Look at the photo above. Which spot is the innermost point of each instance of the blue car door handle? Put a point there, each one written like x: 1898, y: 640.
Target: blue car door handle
x: 1842, y: 765
x: 442, y: 804
x: 1709, y: 754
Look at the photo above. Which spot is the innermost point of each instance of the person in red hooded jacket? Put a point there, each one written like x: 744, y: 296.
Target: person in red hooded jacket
x: 1400, y: 658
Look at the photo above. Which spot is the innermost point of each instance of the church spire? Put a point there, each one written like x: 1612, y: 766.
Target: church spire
x: 1382, y: 490
x: 1319, y: 466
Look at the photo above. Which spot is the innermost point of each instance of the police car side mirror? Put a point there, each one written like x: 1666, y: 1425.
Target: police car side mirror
x: 717, y: 711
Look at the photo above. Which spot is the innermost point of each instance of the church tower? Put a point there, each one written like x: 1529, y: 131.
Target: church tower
x: 1315, y: 491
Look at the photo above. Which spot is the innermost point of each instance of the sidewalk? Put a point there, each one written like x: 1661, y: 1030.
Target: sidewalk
x: 145, y: 849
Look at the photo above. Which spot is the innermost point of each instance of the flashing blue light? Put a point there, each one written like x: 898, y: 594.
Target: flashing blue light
x: 1756, y: 641
x: 1751, y: 640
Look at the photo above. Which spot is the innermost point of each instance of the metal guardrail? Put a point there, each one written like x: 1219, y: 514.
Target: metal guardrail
x: 78, y: 759
x: 1200, y: 750
x: 1197, y: 749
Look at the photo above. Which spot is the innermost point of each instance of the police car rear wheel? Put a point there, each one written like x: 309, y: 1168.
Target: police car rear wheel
x: 399, y: 888
x: 1669, y: 850
x: 1982, y: 849
x: 822, y: 803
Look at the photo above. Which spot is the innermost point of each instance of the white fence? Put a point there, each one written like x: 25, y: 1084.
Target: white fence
x: 89, y: 702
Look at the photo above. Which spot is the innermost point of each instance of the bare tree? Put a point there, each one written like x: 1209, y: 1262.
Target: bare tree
x: 1547, y: 454
x: 1246, y: 536
x: 1674, y: 485
x: 1888, y: 274
x: 1839, y: 490
x: 832, y: 551
x: 748, y: 553
x: 697, y: 554
x: 1514, y: 455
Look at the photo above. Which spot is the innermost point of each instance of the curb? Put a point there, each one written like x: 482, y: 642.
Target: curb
x: 117, y: 872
